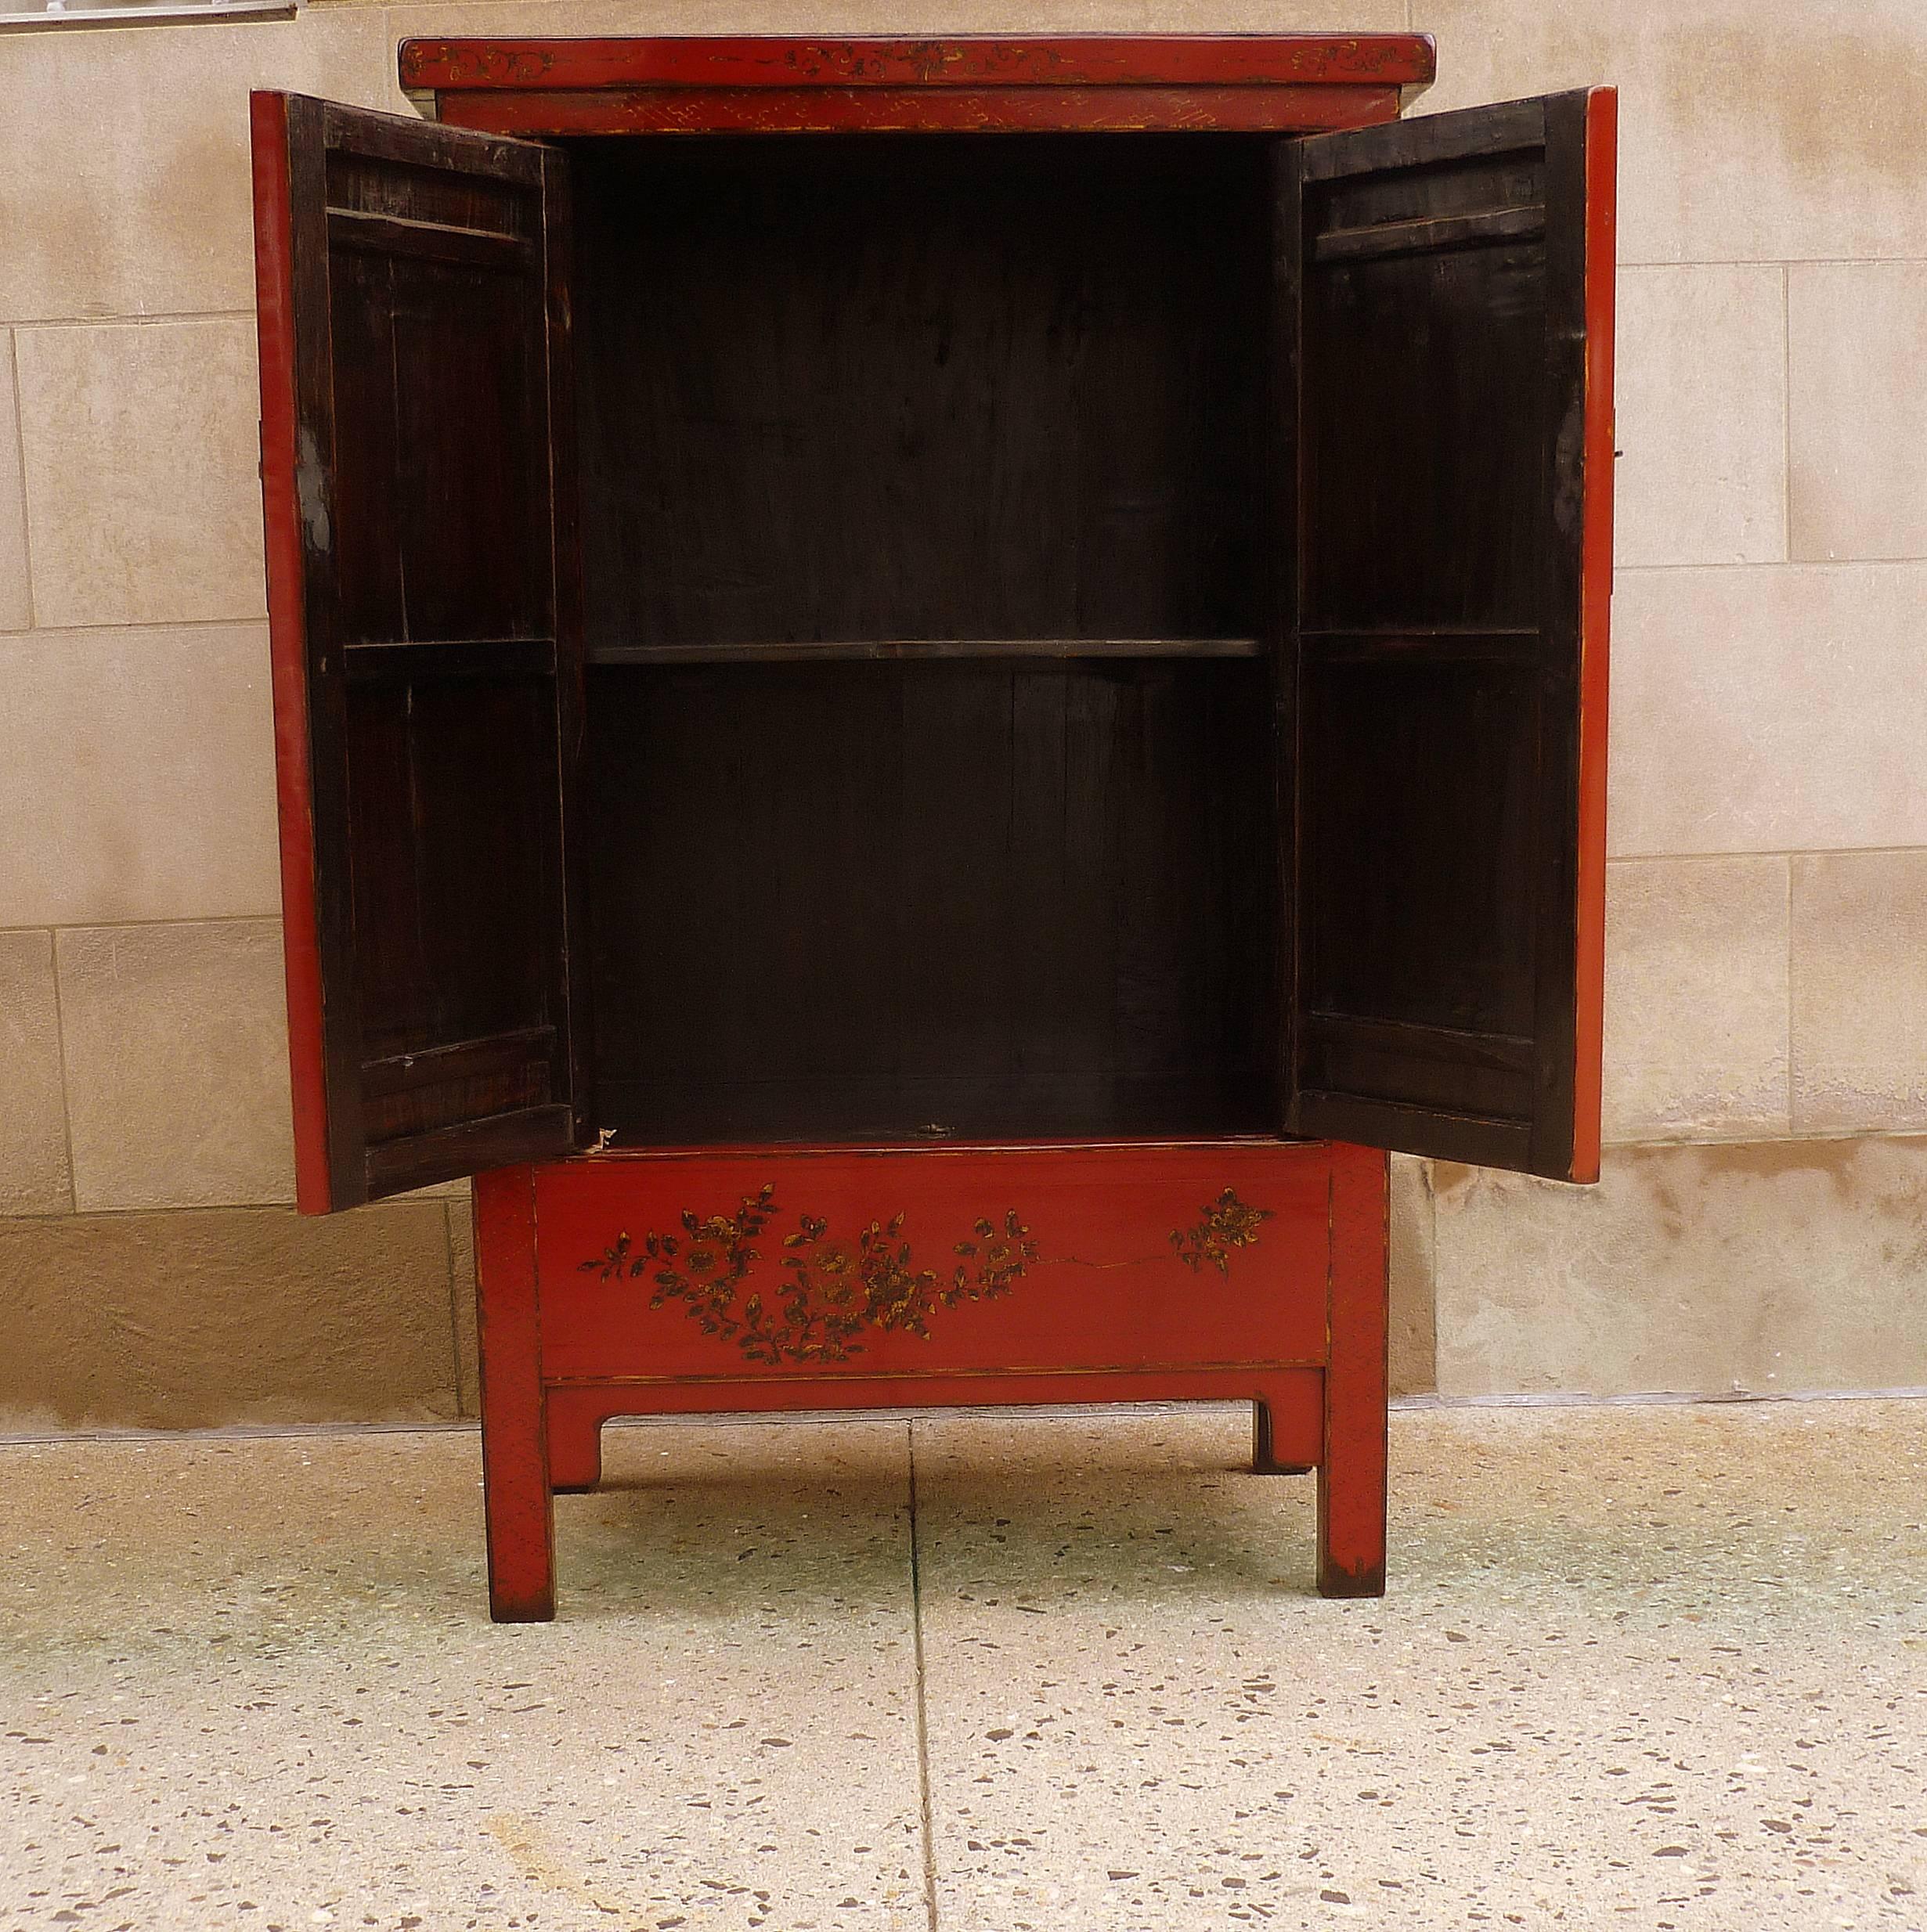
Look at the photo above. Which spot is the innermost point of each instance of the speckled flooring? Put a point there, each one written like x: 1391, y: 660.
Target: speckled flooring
x: 1643, y: 1667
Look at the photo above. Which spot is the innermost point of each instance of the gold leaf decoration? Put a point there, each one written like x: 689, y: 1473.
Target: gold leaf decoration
x: 831, y: 1291
x: 1227, y: 1224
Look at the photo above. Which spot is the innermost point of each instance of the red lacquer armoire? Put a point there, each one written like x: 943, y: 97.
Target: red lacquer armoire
x: 925, y: 690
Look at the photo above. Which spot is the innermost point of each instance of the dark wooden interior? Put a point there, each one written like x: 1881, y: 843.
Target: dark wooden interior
x: 930, y: 726
x: 864, y: 900
x: 920, y: 386
x: 865, y: 637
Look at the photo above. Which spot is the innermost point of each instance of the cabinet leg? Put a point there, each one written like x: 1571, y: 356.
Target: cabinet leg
x: 1263, y: 1445
x: 1351, y: 1474
x: 514, y: 1433
x: 575, y: 1452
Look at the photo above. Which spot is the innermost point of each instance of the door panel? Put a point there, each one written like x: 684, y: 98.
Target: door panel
x: 426, y: 640
x: 1447, y: 342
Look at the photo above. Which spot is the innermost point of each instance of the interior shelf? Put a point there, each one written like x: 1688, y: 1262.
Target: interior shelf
x: 914, y: 649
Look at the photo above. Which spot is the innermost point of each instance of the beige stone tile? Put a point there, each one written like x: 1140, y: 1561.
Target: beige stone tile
x: 461, y: 1214
x: 1858, y: 342
x: 124, y: 156
x: 136, y: 776
x: 144, y: 498
x: 1414, y: 1338
x: 1619, y: 1650
x: 1768, y: 1268
x: 1859, y: 991
x: 455, y: 1199
x: 175, y: 1038
x: 1747, y: 133
x: 1768, y: 710
x: 17, y: 606
x: 1696, y: 999
x: 34, y: 1176
x: 128, y: 150
x: 241, y: 1637
x: 1700, y: 399
x: 204, y: 1317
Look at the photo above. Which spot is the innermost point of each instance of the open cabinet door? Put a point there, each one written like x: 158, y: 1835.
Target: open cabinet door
x: 1447, y: 345
x: 424, y: 619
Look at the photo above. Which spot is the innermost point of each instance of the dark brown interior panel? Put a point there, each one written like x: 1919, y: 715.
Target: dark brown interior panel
x: 441, y: 501
x: 1420, y: 830
x: 444, y: 591
x: 1424, y: 445
x: 452, y: 801
x: 920, y: 386
x: 433, y: 632
x: 1006, y: 899
x: 1436, y: 630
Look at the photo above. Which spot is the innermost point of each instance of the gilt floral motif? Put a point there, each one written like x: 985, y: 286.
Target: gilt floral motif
x: 1227, y: 1224
x: 830, y: 1291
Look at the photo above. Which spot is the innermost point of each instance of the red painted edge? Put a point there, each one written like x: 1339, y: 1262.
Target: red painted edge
x: 538, y: 110
x: 1296, y: 1395
x: 1602, y: 144
x: 776, y: 61
x: 288, y: 648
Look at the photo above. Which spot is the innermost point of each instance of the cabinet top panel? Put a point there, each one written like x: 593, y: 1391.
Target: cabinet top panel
x: 1280, y: 82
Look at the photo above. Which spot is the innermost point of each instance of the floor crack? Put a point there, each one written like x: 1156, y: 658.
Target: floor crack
x: 923, y: 1727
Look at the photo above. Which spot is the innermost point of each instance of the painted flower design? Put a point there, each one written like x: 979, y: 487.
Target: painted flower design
x: 1227, y: 1223
x: 828, y: 1292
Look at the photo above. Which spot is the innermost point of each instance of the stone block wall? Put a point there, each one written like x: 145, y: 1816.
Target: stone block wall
x: 1759, y: 1224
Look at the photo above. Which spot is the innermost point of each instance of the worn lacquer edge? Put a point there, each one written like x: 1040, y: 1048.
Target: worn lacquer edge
x: 287, y: 636
x: 780, y: 62
x: 1602, y: 115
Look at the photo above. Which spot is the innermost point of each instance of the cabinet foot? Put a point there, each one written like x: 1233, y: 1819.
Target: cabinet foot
x: 1265, y: 1457
x: 1334, y: 1582
x: 506, y: 1605
x: 575, y: 1452
x: 1351, y: 1535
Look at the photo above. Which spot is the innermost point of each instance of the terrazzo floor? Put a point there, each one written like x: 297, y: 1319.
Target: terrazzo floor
x: 1662, y: 1667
